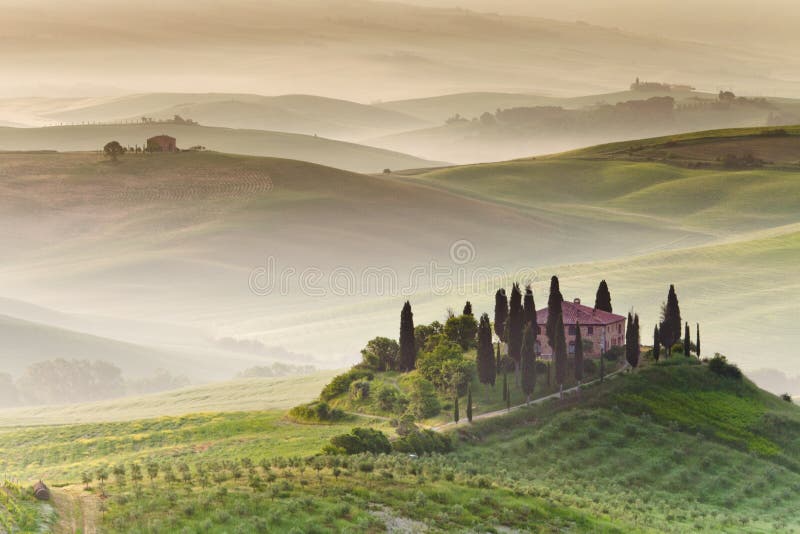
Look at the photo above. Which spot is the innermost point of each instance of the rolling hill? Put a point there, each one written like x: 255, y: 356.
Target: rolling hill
x: 303, y: 114
x: 189, y: 240
x: 338, y: 154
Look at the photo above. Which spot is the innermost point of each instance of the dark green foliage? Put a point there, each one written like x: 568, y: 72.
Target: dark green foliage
x: 578, y: 353
x: 697, y: 340
x: 632, y: 340
x: 359, y: 390
x: 341, y: 383
x: 560, y: 351
x: 456, y: 415
x: 505, y: 385
x: 316, y: 412
x: 719, y: 365
x: 469, y: 403
x: 113, y: 150
x: 498, y: 360
x: 381, y: 354
x: 389, y: 399
x: 408, y: 348
x: 515, y: 319
x: 786, y: 397
x: 421, y: 442
x: 670, y: 327
x: 425, y: 335
x: 656, y: 344
x: 614, y: 353
x: 687, y: 342
x: 528, y: 307
x: 487, y: 367
x: 528, y: 364
x: 467, y: 308
x: 462, y: 330
x: 360, y: 440
x: 554, y: 301
x: 602, y: 300
x: 422, y: 399
x: 500, y: 313
x: 508, y: 393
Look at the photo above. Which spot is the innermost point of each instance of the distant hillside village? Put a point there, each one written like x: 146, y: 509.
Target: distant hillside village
x: 639, y: 85
x: 157, y: 144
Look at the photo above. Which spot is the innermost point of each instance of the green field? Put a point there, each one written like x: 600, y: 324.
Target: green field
x: 670, y: 448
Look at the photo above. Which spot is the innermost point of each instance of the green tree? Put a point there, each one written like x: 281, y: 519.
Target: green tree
x: 656, y: 344
x: 425, y: 335
x: 560, y: 351
x: 152, y: 472
x: 462, y: 330
x: 500, y: 314
x: 422, y: 400
x: 469, y: 403
x: 381, y: 354
x: 498, y: 360
x: 467, y: 309
x: 670, y: 327
x: 687, y: 342
x: 515, y: 323
x: 602, y: 300
x: 632, y: 340
x: 554, y: 301
x: 86, y: 479
x: 528, y: 308
x: 697, y: 341
x: 487, y: 371
x: 113, y: 150
x: 578, y: 354
x: 505, y: 386
x: 455, y: 408
x: 528, y: 364
x: 408, y: 349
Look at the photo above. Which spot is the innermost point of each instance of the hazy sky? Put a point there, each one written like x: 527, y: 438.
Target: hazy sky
x: 369, y: 50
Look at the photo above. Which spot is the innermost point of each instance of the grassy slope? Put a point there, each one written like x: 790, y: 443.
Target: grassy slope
x: 319, y: 150
x: 669, y: 448
x: 252, y: 394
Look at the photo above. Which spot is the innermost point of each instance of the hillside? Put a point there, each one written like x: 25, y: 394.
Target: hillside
x: 358, y: 158
x: 507, y: 129
x: 303, y: 114
x: 668, y: 448
x: 251, y: 394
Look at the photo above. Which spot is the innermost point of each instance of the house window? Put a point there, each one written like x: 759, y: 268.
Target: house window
x: 572, y: 347
x: 590, y: 330
x: 540, y: 330
x: 572, y: 330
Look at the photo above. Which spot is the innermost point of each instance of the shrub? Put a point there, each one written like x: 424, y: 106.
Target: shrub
x: 381, y: 354
x: 614, y: 353
x: 422, y: 442
x: 390, y: 399
x: 719, y: 365
x: 341, y: 383
x: 359, y: 390
x: 360, y: 440
x: 589, y: 367
x: 423, y: 402
x: 786, y: 397
x: 316, y: 412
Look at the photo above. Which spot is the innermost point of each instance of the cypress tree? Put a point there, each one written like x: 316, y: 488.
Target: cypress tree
x: 560, y: 352
x: 498, y: 361
x: 508, y: 398
x: 500, y: 314
x: 486, y: 363
x: 578, y: 354
x: 554, y: 301
x: 467, y: 308
x: 469, y: 403
x: 632, y: 340
x: 687, y: 342
x: 656, y: 344
x: 670, y: 327
x: 602, y: 300
x: 505, y: 386
x: 408, y: 350
x: 529, y: 308
x: 456, y: 416
x: 515, y: 324
x: 697, y: 341
x: 528, y: 361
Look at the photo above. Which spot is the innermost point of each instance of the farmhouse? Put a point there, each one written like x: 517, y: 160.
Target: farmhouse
x: 161, y: 143
x: 602, y: 329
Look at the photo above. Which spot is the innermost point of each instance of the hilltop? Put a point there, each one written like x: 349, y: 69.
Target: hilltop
x: 358, y: 158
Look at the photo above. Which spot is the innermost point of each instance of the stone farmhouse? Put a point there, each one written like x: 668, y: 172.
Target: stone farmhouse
x: 161, y: 143
x: 603, y: 329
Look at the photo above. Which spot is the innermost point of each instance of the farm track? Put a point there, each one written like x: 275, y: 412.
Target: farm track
x: 77, y: 510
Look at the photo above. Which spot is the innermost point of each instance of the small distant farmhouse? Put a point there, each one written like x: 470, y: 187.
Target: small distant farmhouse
x: 161, y: 143
x: 602, y: 329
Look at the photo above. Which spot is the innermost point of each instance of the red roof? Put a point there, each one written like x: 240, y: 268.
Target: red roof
x: 574, y: 312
